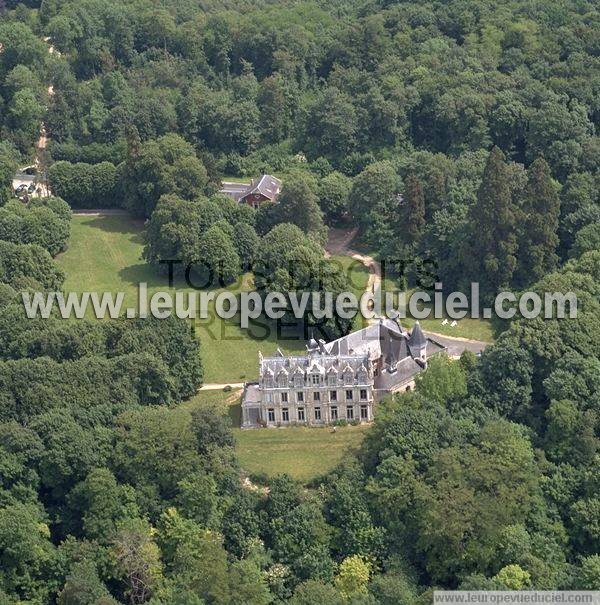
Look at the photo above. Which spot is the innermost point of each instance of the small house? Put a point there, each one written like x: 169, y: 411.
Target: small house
x: 265, y: 189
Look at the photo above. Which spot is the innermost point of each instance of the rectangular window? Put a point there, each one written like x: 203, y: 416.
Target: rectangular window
x: 349, y: 395
x: 284, y: 397
x: 349, y: 412
x: 271, y: 414
x: 317, y: 396
x: 333, y: 395
x: 301, y: 414
x: 317, y: 413
x: 364, y: 412
x: 316, y: 379
x: 300, y: 396
x: 334, y: 414
x: 363, y: 394
x: 285, y: 414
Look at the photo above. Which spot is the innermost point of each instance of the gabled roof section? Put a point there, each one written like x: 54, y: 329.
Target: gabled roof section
x: 373, y: 341
x: 306, y: 364
x: 268, y: 186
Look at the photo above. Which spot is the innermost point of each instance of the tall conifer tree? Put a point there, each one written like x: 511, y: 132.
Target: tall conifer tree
x: 539, y: 233
x: 415, y: 203
x: 494, y: 245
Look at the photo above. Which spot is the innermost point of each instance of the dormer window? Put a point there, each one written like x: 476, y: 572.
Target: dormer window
x: 348, y: 376
x: 316, y: 379
x: 298, y: 379
x: 282, y: 380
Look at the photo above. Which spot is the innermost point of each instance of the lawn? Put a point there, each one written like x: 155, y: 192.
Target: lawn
x: 105, y: 254
x: 301, y: 452
x: 475, y: 329
x: 229, y: 403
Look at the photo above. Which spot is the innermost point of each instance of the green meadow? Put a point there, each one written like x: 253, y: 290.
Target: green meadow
x: 105, y: 254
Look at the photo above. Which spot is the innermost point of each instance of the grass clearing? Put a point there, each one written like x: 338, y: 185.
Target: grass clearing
x: 301, y: 452
x: 475, y: 329
x: 105, y: 255
x: 228, y: 402
x: 355, y: 271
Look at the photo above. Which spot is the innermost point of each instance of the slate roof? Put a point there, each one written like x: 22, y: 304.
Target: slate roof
x: 376, y: 340
x: 251, y: 393
x: 311, y: 363
x: 267, y: 185
x: 417, y: 338
x: 434, y: 347
x: 403, y: 372
x: 399, y: 352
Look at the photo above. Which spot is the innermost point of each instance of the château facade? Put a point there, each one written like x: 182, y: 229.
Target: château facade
x: 340, y: 380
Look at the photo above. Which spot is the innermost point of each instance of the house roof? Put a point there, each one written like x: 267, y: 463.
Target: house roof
x: 268, y: 186
x: 311, y: 363
x: 252, y: 394
x: 386, y: 340
x: 373, y: 341
x: 401, y: 373
x: 417, y: 338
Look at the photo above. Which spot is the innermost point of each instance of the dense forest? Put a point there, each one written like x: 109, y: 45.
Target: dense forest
x: 464, y: 132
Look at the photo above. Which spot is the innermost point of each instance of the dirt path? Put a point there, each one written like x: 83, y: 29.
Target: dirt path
x: 215, y: 386
x: 43, y: 140
x: 374, y: 271
x: 339, y: 242
x: 470, y: 341
x: 101, y: 212
x: 234, y: 396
